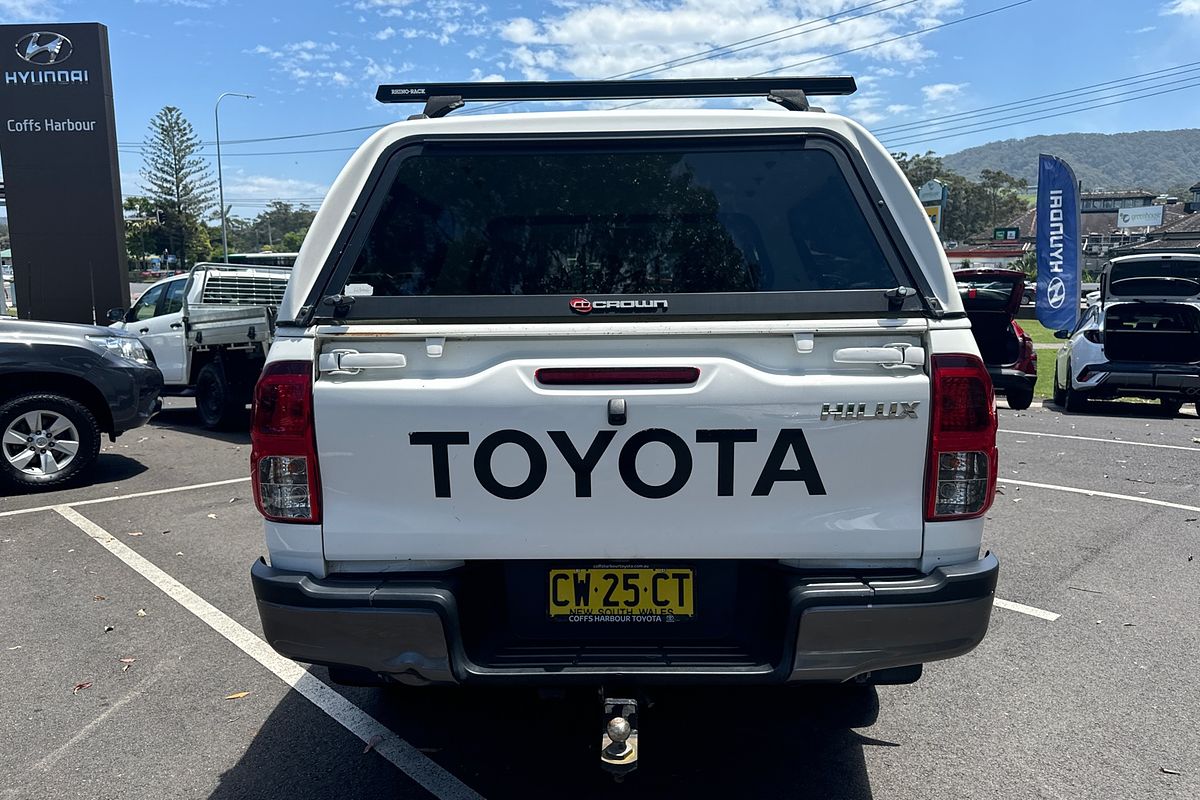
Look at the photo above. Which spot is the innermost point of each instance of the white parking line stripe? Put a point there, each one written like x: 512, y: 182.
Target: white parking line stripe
x: 407, y: 758
x: 151, y: 493
x: 1106, y: 441
x: 1024, y: 609
x: 1096, y: 493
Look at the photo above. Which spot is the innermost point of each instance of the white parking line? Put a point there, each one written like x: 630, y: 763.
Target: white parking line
x: 114, y: 499
x: 404, y: 756
x: 1097, y: 493
x: 1106, y: 441
x: 1024, y: 609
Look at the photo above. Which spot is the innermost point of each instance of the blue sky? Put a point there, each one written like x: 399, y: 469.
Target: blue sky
x: 314, y: 66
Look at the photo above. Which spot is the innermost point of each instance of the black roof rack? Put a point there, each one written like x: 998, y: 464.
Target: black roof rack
x: 442, y: 98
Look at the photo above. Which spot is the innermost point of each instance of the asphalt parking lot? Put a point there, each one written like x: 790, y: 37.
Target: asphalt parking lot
x: 131, y: 664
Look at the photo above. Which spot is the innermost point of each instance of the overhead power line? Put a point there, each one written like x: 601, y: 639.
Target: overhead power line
x: 860, y: 48
x: 728, y: 49
x: 685, y: 60
x: 1083, y: 105
x: 1091, y: 107
x: 1042, y: 99
x: 908, y: 35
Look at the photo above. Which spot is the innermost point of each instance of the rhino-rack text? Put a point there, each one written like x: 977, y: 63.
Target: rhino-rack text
x: 788, y: 441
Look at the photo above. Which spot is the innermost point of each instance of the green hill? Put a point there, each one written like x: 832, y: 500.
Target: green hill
x: 1155, y: 160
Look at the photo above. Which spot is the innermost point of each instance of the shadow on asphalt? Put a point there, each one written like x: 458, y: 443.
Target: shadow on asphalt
x: 1123, y: 409
x: 187, y: 420
x: 108, y: 468
x: 794, y: 742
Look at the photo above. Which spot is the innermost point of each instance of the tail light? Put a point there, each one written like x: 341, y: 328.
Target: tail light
x: 283, y: 457
x: 961, y: 481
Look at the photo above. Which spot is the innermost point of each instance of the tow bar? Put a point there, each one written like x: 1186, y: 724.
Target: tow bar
x: 619, y: 743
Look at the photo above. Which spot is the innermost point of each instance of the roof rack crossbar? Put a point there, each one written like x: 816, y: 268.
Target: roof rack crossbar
x: 441, y: 98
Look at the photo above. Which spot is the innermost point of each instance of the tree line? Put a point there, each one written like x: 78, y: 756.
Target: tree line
x: 177, y: 213
x: 972, y: 208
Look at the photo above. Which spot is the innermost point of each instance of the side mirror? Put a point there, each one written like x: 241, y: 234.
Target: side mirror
x: 1062, y: 334
x: 116, y: 315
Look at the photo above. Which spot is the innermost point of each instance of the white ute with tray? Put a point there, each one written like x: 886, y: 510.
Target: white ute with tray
x: 622, y: 399
x: 209, y: 332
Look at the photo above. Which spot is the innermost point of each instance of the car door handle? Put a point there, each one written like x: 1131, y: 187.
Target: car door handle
x: 143, y: 330
x: 352, y: 362
x: 176, y: 326
x: 890, y: 356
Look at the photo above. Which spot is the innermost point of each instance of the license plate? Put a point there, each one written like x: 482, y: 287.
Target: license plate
x: 621, y: 594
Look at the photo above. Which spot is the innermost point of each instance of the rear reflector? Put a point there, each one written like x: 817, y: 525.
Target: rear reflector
x: 961, y: 481
x: 283, y: 458
x: 612, y: 376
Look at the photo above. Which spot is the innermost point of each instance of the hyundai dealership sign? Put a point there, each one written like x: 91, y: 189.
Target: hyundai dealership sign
x: 58, y: 147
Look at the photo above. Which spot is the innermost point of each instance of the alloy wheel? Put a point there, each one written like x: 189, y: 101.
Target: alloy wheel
x: 40, y: 442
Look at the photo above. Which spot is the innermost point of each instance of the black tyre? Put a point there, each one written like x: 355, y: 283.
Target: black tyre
x: 1170, y: 406
x: 46, y: 440
x: 220, y: 404
x: 1019, y: 399
x: 1060, y: 394
x: 1074, y: 399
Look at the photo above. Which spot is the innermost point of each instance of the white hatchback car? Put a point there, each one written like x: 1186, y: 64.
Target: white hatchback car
x: 1140, y: 337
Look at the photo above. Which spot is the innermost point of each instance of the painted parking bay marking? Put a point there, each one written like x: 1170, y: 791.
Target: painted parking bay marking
x: 115, y: 498
x: 1105, y: 441
x: 1097, y: 493
x: 400, y: 753
x: 1021, y: 608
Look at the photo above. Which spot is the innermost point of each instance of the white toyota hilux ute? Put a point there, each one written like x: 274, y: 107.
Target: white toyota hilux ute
x: 623, y: 398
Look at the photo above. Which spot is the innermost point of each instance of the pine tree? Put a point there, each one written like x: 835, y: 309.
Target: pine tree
x: 178, y: 181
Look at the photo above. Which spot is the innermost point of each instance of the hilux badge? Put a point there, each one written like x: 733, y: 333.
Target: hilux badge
x: 897, y: 410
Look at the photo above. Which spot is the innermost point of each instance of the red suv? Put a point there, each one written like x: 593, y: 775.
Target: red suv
x: 991, y: 298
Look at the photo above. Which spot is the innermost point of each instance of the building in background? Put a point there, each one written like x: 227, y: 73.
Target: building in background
x: 1110, y: 224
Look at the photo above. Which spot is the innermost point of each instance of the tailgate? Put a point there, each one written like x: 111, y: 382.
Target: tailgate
x: 783, y: 446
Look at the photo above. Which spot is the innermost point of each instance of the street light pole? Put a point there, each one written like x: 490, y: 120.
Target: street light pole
x: 220, y: 178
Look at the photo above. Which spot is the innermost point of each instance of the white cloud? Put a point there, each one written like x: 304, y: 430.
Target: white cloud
x: 619, y: 36
x: 938, y: 92
x: 23, y: 10
x: 201, y: 4
x: 385, y: 34
x: 1187, y: 8
x: 443, y: 21
x: 1146, y: 29
x: 242, y: 186
x: 898, y: 108
x: 388, y: 8
x: 311, y: 61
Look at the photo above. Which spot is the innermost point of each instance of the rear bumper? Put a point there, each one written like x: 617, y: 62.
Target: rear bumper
x: 1006, y: 379
x: 1147, y: 379
x: 833, y: 629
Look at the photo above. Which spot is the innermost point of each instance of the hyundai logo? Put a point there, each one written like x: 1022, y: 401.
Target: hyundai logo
x: 44, y: 48
x: 1056, y: 292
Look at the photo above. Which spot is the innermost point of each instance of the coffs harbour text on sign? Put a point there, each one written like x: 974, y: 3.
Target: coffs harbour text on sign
x: 48, y: 125
x: 788, y: 442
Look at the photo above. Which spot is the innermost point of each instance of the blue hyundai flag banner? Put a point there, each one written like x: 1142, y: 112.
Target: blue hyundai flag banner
x: 1057, y: 245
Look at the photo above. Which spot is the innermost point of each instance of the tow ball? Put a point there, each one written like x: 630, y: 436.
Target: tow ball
x: 619, y: 742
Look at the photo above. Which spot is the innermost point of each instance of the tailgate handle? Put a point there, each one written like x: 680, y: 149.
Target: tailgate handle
x: 892, y: 356
x: 352, y: 362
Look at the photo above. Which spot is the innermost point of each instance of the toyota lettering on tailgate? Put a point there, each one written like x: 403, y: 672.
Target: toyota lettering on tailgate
x: 788, y: 442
